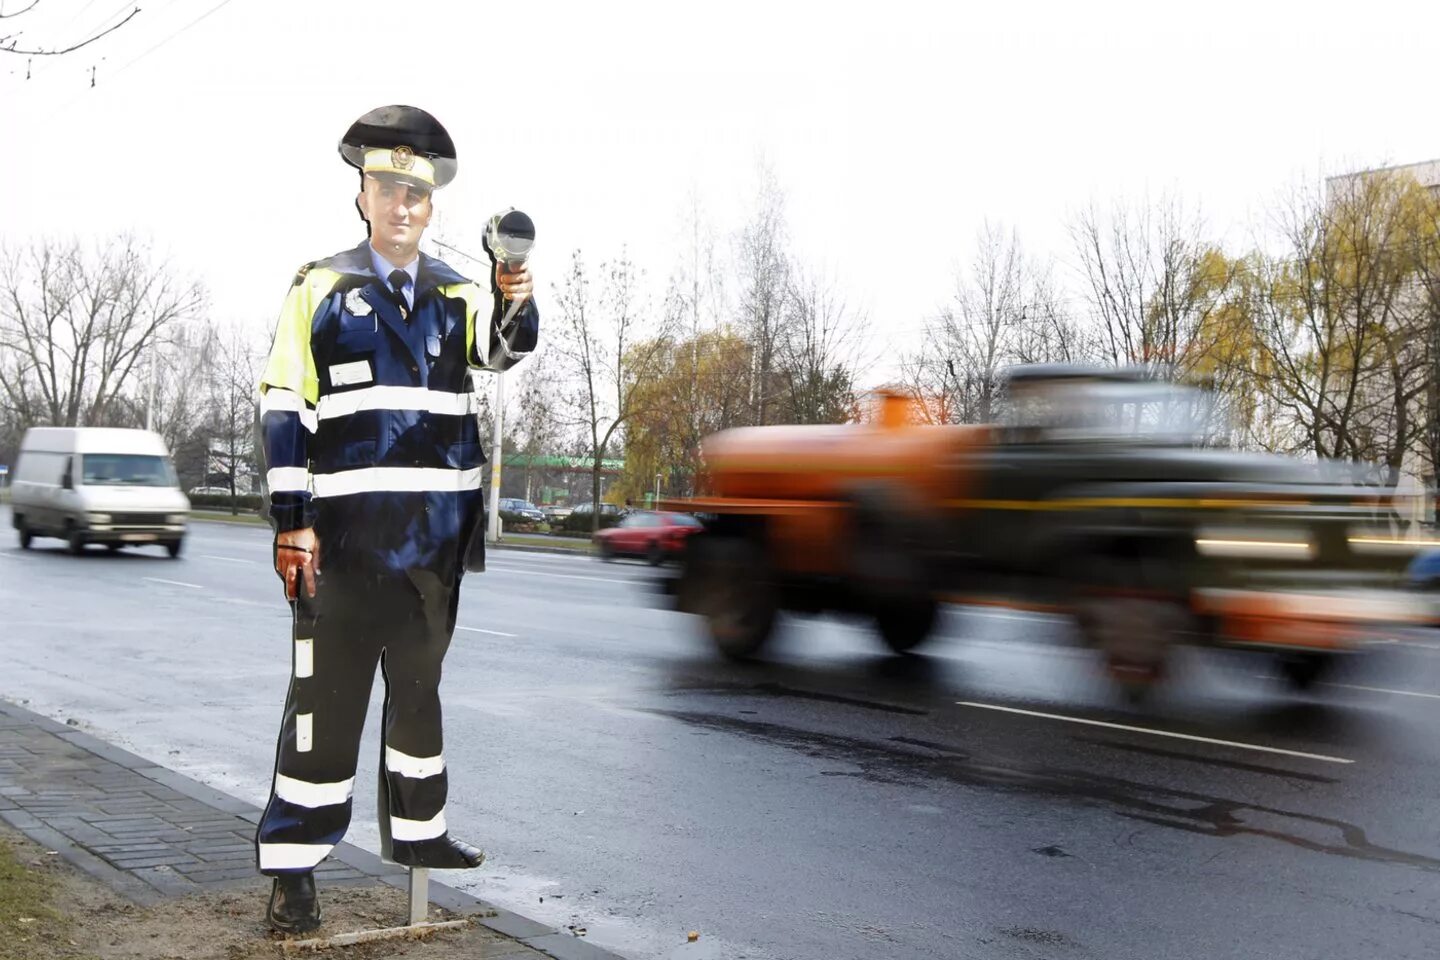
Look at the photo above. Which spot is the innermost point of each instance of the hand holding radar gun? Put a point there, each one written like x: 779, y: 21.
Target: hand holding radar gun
x: 509, y: 236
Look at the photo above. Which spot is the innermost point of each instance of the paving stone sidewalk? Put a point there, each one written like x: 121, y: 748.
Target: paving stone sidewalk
x: 151, y: 833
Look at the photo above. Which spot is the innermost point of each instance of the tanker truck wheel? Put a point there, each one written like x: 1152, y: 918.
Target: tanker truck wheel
x: 1134, y: 629
x: 906, y: 624
x: 729, y: 584
x: 1303, y: 670
x: 887, y: 568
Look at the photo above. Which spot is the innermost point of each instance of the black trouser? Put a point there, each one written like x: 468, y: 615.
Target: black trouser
x: 354, y: 622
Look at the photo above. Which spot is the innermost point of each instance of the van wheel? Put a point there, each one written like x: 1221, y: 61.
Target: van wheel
x: 75, y: 538
x: 25, y: 535
x: 173, y: 548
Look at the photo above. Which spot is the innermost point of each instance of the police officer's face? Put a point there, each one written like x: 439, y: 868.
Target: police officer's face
x: 398, y: 214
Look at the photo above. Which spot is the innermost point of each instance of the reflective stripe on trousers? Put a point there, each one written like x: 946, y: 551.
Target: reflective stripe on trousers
x: 353, y: 624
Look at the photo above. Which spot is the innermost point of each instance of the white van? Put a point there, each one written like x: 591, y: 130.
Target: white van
x: 97, y: 485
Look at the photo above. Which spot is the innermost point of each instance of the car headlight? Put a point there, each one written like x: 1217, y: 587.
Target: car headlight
x: 99, y: 517
x: 175, y: 518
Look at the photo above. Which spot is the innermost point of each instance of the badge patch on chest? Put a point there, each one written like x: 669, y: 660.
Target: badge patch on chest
x: 345, y: 374
x: 357, y: 304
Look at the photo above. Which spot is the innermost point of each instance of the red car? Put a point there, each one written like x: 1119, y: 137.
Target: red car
x: 654, y: 536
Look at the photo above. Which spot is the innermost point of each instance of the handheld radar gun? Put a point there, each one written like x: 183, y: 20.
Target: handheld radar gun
x: 509, y: 236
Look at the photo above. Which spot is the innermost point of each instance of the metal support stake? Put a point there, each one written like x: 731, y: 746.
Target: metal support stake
x: 496, y: 456
x: 419, y: 894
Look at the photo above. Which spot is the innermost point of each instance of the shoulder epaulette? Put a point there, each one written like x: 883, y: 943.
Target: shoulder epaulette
x: 300, y: 274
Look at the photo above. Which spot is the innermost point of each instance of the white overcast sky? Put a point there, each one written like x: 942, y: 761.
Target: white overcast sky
x: 895, y: 128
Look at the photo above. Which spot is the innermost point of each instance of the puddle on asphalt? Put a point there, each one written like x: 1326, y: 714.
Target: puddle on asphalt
x: 906, y: 761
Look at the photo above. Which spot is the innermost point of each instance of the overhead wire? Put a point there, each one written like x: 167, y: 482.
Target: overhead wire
x: 169, y: 37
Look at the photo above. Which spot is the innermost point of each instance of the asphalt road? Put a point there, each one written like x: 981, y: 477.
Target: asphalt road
x: 833, y: 802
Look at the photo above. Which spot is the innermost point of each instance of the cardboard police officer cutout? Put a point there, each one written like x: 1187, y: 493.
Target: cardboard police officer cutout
x: 374, y: 461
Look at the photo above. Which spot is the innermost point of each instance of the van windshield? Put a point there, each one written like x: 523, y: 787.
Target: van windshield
x: 127, y: 469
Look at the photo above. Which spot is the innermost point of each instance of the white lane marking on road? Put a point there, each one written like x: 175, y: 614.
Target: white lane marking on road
x: 174, y: 583
x: 493, y: 633
x: 558, y: 576
x: 1402, y: 693
x: 10, y: 556
x: 1022, y: 615
x: 254, y: 603
x: 1155, y: 733
x: 211, y: 556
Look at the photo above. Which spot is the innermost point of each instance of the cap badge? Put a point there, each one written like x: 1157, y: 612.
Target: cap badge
x: 402, y: 158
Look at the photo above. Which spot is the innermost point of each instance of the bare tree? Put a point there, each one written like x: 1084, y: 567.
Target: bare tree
x: 182, y: 361
x: 232, y: 409
x: 10, y: 35
x: 1005, y: 310
x: 76, y: 326
x: 1153, y: 283
x: 540, y: 425
x: 695, y: 303
x: 763, y: 266
x: 816, y: 352
x: 605, y: 353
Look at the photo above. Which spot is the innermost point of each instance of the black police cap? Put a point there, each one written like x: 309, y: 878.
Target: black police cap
x: 408, y: 133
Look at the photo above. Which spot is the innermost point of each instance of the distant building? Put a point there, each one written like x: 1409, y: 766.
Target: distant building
x: 1426, y: 173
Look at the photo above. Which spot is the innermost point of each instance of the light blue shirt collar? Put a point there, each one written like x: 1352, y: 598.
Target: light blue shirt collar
x: 383, y: 268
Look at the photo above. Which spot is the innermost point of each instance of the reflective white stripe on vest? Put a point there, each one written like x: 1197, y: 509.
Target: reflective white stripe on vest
x: 416, y: 768
x: 395, y: 480
x: 292, y: 856
x: 402, y: 829
x: 278, y: 399
x: 392, y: 398
x: 306, y: 794
x: 287, y: 479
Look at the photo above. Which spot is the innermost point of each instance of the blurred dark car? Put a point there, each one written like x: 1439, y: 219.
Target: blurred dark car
x: 586, y: 508
x: 1423, y: 573
x: 524, y: 508
x: 1423, y: 576
x: 655, y: 536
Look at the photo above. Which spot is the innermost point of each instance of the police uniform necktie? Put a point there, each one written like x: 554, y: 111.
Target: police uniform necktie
x: 398, y: 279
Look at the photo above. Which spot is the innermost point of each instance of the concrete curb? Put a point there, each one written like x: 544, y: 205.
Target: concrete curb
x: 532, y: 933
x: 536, y: 548
x: 522, y: 547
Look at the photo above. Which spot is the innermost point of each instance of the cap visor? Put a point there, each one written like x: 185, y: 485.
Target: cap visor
x: 410, y: 182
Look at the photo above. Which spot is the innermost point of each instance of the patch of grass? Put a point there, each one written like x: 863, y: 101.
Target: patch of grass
x: 30, y: 929
x: 227, y: 517
x: 575, y: 546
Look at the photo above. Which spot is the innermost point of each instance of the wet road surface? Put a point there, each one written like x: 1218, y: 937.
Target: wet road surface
x: 989, y: 798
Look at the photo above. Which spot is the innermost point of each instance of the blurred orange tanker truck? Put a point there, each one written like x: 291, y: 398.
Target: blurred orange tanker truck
x: 1103, y: 495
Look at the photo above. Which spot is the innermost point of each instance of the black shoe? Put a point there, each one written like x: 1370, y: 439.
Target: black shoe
x: 441, y: 853
x: 294, y: 907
